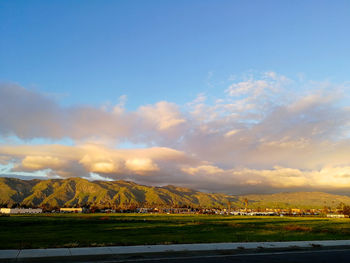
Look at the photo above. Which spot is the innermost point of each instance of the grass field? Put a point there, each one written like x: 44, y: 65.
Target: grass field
x: 75, y: 230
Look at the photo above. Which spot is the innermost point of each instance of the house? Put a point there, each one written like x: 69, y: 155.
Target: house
x: 71, y: 210
x: 20, y: 210
x: 296, y: 211
x: 336, y: 215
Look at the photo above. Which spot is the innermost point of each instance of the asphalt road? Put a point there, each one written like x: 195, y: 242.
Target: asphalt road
x: 313, y: 256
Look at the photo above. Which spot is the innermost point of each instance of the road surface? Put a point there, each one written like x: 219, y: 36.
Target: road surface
x: 313, y: 256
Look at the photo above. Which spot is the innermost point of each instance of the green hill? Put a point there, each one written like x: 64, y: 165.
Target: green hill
x: 123, y: 194
x: 117, y: 194
x: 297, y: 200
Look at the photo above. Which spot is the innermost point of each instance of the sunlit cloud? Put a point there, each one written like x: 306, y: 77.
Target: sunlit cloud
x: 258, y: 135
x: 162, y: 116
x: 84, y: 159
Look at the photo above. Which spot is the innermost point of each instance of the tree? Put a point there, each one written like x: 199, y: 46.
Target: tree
x: 343, y: 208
x: 340, y: 206
x: 325, y: 210
x: 228, y: 205
x: 246, y: 202
x: 346, y: 210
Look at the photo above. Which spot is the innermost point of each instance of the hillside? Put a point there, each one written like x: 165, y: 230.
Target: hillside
x: 80, y: 192
x: 123, y: 194
x: 297, y: 200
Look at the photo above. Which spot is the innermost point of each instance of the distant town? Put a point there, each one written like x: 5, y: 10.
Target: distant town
x: 332, y: 213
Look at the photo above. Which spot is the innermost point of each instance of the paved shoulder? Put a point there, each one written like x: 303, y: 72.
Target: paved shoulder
x: 89, y: 252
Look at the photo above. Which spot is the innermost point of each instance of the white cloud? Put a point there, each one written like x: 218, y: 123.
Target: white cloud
x: 254, y: 87
x: 255, y: 136
x: 141, y: 165
x: 162, y: 116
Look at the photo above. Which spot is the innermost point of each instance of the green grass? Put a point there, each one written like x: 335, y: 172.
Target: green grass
x: 73, y: 230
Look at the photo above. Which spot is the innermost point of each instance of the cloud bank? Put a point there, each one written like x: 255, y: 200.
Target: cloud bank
x: 263, y: 134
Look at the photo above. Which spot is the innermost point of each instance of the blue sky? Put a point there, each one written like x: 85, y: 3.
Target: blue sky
x: 94, y: 51
x: 231, y: 96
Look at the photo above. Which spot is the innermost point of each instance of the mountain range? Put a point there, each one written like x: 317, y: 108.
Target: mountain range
x: 123, y: 194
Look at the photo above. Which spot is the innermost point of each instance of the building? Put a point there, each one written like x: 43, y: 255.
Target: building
x: 296, y: 211
x: 20, y: 210
x: 337, y: 216
x: 71, y: 210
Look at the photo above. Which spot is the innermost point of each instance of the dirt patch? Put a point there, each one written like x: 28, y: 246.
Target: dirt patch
x: 297, y: 228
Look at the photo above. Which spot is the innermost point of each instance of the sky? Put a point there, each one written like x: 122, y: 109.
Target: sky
x: 221, y: 96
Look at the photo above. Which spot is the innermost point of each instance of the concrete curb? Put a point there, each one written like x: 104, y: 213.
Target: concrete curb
x: 28, y: 254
